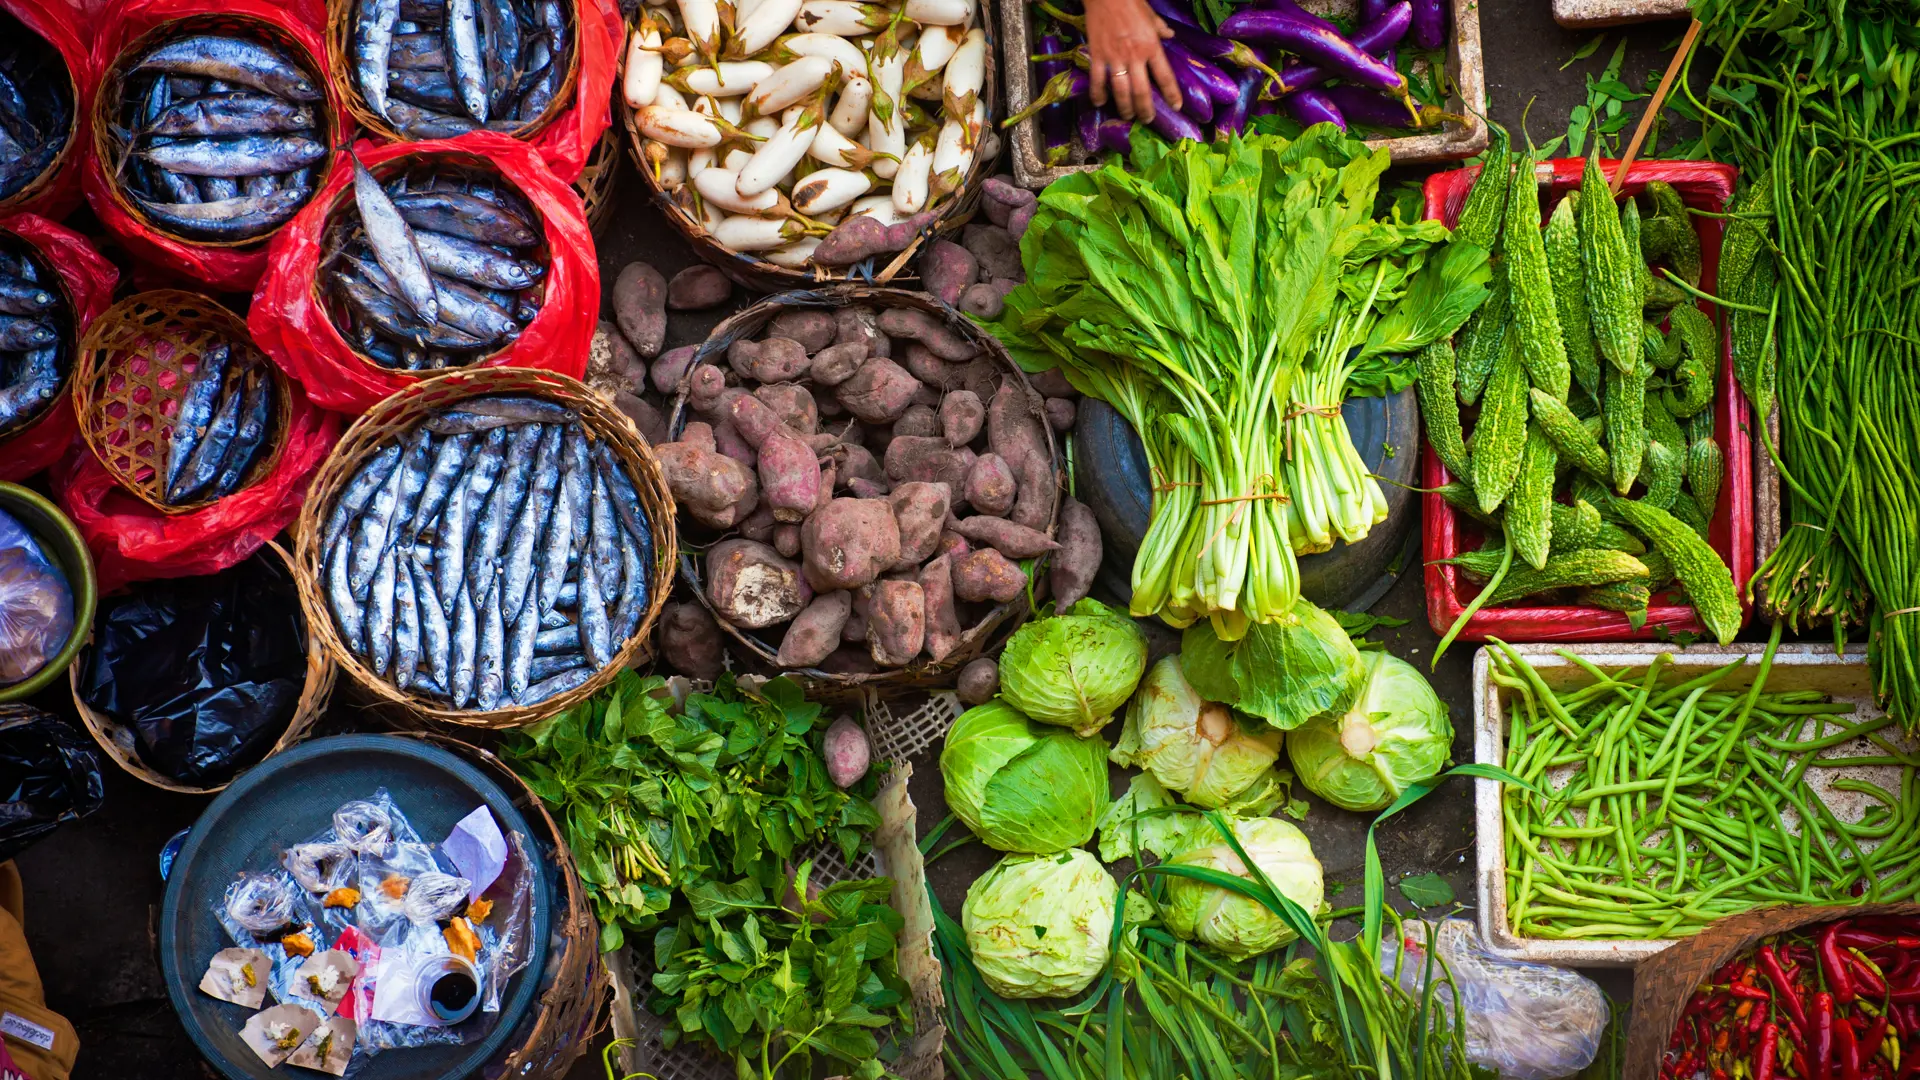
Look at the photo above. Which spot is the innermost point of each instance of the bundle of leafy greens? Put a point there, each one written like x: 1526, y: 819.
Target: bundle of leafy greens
x: 1225, y: 297
x: 687, y: 825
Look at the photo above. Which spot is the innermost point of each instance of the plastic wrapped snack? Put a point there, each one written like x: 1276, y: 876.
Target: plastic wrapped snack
x: 36, y: 604
x: 319, y: 867
x: 260, y: 903
x: 363, y: 826
x: 436, y: 896
x: 1526, y: 1021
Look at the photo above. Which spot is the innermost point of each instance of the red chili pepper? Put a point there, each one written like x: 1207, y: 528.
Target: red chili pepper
x: 1720, y: 1074
x: 1870, y: 1046
x: 1822, y: 1055
x: 1849, y: 1046
x: 1788, y: 995
x: 1759, y: 1017
x: 1768, y: 1053
x: 1833, y: 962
x: 1751, y: 993
x: 1870, y: 939
x: 1907, y: 996
x: 1865, y: 978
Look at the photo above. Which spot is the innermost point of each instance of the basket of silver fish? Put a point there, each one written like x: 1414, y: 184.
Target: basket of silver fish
x: 175, y: 401
x: 808, y: 141
x: 213, y: 129
x: 433, y: 69
x: 37, y: 113
x: 433, y: 263
x: 487, y: 548
x: 36, y: 334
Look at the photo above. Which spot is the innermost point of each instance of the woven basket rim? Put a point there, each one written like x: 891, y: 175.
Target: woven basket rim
x: 77, y: 101
x: 106, y: 95
x: 73, y: 316
x: 380, y: 171
x: 974, y: 640
x: 341, y: 74
x: 597, y: 180
x: 397, y: 413
x: 90, y: 367
x: 314, y: 695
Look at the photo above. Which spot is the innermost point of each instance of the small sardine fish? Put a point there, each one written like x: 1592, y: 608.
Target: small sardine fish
x: 256, y: 420
x: 490, y: 660
x: 428, y: 89
x: 450, y: 554
x: 467, y: 216
x: 418, y: 464
x: 373, y: 45
x: 558, y: 684
x: 203, y: 464
x: 417, y: 52
x: 595, y: 634
x: 556, y: 547
x: 436, y: 642
x: 520, y: 646
x: 359, y: 490
x: 231, y: 219
x: 196, y: 409
x: 237, y: 113
x: 538, y: 505
x: 406, y: 623
x: 563, y: 639
x: 448, y: 460
x: 417, y: 124
x: 259, y: 187
x: 18, y: 334
x: 241, y: 155
x: 633, y: 593
x: 392, y: 242
x: 465, y: 308
x: 503, y: 506
x: 348, y: 616
x: 466, y: 637
x: 232, y: 60
x: 545, y: 667
x: 502, y: 55
x: 22, y: 297
x: 380, y: 616
x: 604, y: 548
x: 378, y: 519
x: 476, y: 264
x: 469, y: 62
x: 388, y: 313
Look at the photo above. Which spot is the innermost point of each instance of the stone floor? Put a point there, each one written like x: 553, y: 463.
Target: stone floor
x: 93, y: 888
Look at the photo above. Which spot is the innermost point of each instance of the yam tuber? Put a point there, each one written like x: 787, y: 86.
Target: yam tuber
x: 928, y: 458
x: 961, y: 416
x: 943, y: 622
x: 983, y: 301
x: 813, y: 328
x: 858, y: 323
x: 697, y: 288
x: 979, y: 681
x: 917, y: 420
x: 856, y: 629
x: 1009, y: 539
x: 705, y: 386
x: 849, y: 542
x: 690, y: 641
x: 947, y: 269
x: 1078, y: 560
x: 640, y: 307
x: 793, y: 404
x: 923, y: 364
x: 845, y: 749
x: 896, y: 622
x: 879, y: 392
x: 836, y: 364
x: 815, y: 632
x: 786, y: 540
x: 997, y: 252
x: 1014, y: 429
x: 671, y: 367
x: 920, y: 511
x: 1033, y: 503
x: 1061, y: 413
x: 751, y: 585
x: 789, y: 476
x: 727, y: 440
x: 775, y: 359
x: 929, y: 330
x: 990, y: 485
x: 716, y: 490
x: 986, y: 575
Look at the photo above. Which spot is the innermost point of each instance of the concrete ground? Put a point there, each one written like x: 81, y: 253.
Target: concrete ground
x: 93, y: 888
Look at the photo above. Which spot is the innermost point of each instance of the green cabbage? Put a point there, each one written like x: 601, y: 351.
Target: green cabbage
x: 1286, y: 672
x: 1396, y: 734
x: 1194, y: 746
x: 1022, y: 786
x: 1237, y: 925
x: 1039, y: 925
x: 1075, y: 669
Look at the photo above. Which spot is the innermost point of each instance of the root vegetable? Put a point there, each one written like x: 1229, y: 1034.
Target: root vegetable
x: 775, y: 359
x: 994, y: 247
x: 983, y: 301
x: 671, y: 367
x: 1004, y: 191
x: 825, y: 405
x: 828, y: 472
x: 699, y: 434
x: 715, y: 490
x: 786, y: 540
x: 857, y: 462
x: 1009, y: 539
x: 856, y: 628
x: 836, y: 364
x: 929, y: 397
x: 943, y: 621
x: 690, y: 641
x: 1013, y: 427
x: 961, y: 416
x: 789, y: 476
x: 846, y: 752
x: 953, y: 546
x: 793, y: 404
x: 879, y: 392
x: 815, y: 632
x: 849, y: 542
x: 920, y: 512
x: 645, y: 417
x: 705, y: 384
x: 1053, y: 384
x: 849, y: 661
x: 760, y: 525
x: 813, y: 328
x: 864, y: 488
x: 918, y: 420
x: 990, y: 485
x: 611, y: 352
x: 978, y: 681
x: 1061, y: 413
x: 859, y: 323
x: 851, y: 241
x: 929, y: 368
x: 896, y: 622
x: 640, y: 306
x: 928, y: 329
x: 752, y: 585
x: 948, y: 270
x: 726, y: 438
x: 1018, y: 221
x: 929, y: 458
x: 1078, y: 559
x: 1033, y: 504
x: 986, y: 575
x: 697, y: 288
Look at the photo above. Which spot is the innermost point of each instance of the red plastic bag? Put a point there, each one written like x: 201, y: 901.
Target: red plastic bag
x: 221, y: 269
x: 133, y: 541
x: 288, y: 320
x: 90, y: 280
x: 59, y: 22
x: 1446, y: 533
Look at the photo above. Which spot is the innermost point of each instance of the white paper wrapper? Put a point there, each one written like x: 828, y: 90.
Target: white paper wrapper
x: 323, y: 978
x: 237, y: 975
x: 277, y: 1032
x: 329, y: 1048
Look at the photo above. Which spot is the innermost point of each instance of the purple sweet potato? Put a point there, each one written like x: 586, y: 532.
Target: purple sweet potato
x: 644, y: 414
x: 776, y: 359
x: 793, y: 404
x: 1013, y: 541
x: 611, y: 350
x: 847, y: 753
x: 930, y: 369
x: 901, y: 233
x: 858, y: 322
x: 961, y: 417
x: 705, y: 386
x: 990, y: 485
x: 786, y: 540
x: 1052, y: 383
x: 699, y: 433
x: 813, y: 328
x: 690, y: 641
x: 922, y: 457
x: 947, y: 269
x: 749, y: 584
x: 749, y: 414
x: 920, y: 510
x: 983, y: 301
x: 952, y: 545
x: 789, y: 476
x: 671, y: 367
x: 943, y: 622
x: 1014, y: 427
x: 988, y: 576
x: 929, y: 330
x: 896, y: 622
x: 715, y: 490
x: 1060, y: 413
x: 829, y: 476
x: 836, y: 364
x: 879, y: 392
x: 1033, y: 504
x: 864, y: 488
x: 849, y: 542
x: 929, y: 397
x: 759, y: 525
x: 997, y: 251
x: 852, y: 240
x: 856, y: 628
x: 857, y: 462
x: 815, y: 632
x: 917, y: 420
x: 1078, y: 559
x: 728, y: 440
x: 825, y: 405
x: 697, y: 288
x: 1007, y: 192
x: 640, y: 306
x: 978, y: 681
x: 1018, y: 221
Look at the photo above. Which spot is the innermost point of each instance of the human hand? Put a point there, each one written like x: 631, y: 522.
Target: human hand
x: 1123, y: 43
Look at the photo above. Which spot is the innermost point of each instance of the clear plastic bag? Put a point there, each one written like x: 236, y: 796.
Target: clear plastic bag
x: 260, y: 903
x: 365, y: 825
x: 320, y: 866
x: 1526, y: 1021
x: 434, y: 896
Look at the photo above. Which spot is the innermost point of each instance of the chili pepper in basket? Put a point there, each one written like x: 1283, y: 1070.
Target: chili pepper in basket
x: 1767, y: 1056
x: 1758, y: 1018
x: 1866, y: 974
x: 1876, y: 1035
x: 1822, y: 1047
x: 1751, y: 993
x: 1834, y: 964
x: 1786, y: 993
x: 1851, y: 938
x: 1849, y: 1046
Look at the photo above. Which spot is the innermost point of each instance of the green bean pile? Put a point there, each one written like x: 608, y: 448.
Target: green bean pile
x: 1678, y: 798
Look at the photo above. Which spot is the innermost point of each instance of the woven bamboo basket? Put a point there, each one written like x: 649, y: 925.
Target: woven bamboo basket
x: 39, y: 184
x: 340, y: 61
x: 132, y: 372
x: 762, y: 276
x: 109, y: 151
x: 576, y: 987
x: 66, y: 317
x: 1662, y: 985
x: 342, y: 216
x: 396, y: 416
x: 597, y: 180
x: 118, y: 741
x: 987, y: 633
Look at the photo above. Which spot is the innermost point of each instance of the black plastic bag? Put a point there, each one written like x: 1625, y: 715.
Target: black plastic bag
x: 206, y: 672
x: 48, y: 775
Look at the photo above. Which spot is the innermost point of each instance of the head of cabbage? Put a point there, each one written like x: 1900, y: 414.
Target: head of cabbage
x: 1039, y: 925
x: 1074, y: 669
x: 1199, y: 748
x: 1396, y: 734
x: 1022, y: 786
x: 1237, y: 925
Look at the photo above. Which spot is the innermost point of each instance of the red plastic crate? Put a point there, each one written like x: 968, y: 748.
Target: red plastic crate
x: 1446, y: 532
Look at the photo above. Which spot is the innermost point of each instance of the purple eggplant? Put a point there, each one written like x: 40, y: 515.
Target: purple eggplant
x: 1364, y: 106
x: 1377, y: 37
x: 1312, y: 106
x: 1175, y: 13
x: 1056, y: 120
x: 1171, y: 123
x: 1289, y: 7
x: 1103, y: 134
x: 1429, y: 24
x: 1195, y: 101
x: 1370, y: 10
x: 1218, y: 84
x: 1063, y: 87
x: 1232, y: 119
x: 1343, y: 58
x: 1219, y: 50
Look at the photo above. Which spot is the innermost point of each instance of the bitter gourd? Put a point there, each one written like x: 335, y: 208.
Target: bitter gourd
x: 1486, y: 206
x: 1528, y: 519
x: 1613, y: 300
x: 1630, y: 230
x: 1669, y: 233
x: 1574, y: 527
x: 1439, y: 409
x: 1536, y: 316
x: 1483, y: 340
x: 1575, y: 569
x: 1660, y: 350
x: 1706, y: 466
x: 1570, y: 295
x: 1664, y: 468
x: 1624, y: 411
x: 1696, y: 564
x: 1629, y: 596
x: 1570, y: 436
x: 1501, y: 432
x: 1692, y: 377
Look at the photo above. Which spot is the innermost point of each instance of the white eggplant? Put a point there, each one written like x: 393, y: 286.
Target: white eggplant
x: 936, y: 46
x: 794, y: 256
x: 667, y: 97
x: 847, y: 18
x: 832, y: 148
x: 759, y: 27
x: 645, y: 65
x: 717, y: 186
x: 886, y: 121
x: 728, y: 78
x: 939, y: 12
x: 849, y: 115
x: 743, y: 233
x: 782, y: 150
x: 737, y: 158
x: 699, y: 161
x: 787, y: 85
x: 729, y: 108
x: 831, y: 46
x: 966, y: 73
x: 824, y: 190
x: 668, y: 165
x: 678, y: 127
x: 910, y: 183
x: 709, y: 216
x: 878, y: 207
x: 953, y: 153
x: 702, y: 21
